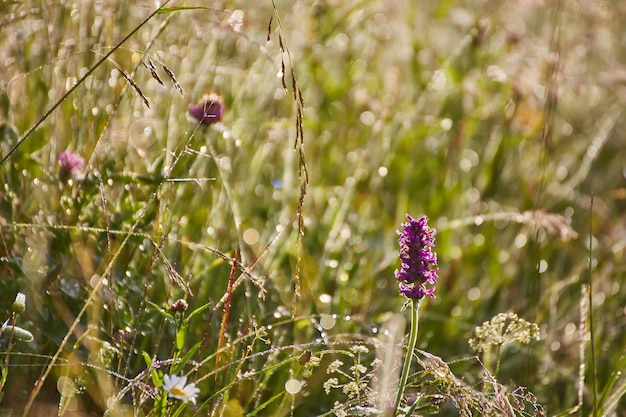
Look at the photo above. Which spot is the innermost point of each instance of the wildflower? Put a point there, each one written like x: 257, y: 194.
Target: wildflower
x: 177, y: 387
x: 69, y: 162
x: 503, y: 329
x: 418, y: 262
x: 330, y: 383
x: 179, y: 306
x: 209, y: 110
x: 19, y: 305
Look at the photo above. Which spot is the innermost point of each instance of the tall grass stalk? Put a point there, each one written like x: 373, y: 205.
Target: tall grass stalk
x: 80, y: 81
x: 594, y: 369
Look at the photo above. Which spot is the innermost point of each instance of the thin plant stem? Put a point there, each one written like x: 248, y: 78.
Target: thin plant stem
x: 495, y: 375
x: 591, y: 332
x: 406, y: 367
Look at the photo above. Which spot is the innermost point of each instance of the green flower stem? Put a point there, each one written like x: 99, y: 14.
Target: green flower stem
x: 406, y: 368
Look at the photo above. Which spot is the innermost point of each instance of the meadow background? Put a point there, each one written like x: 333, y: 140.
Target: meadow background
x: 497, y: 119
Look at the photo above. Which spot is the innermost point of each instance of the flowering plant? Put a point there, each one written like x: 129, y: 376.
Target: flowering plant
x: 418, y: 262
x: 209, y: 110
x: 416, y: 277
x: 177, y: 387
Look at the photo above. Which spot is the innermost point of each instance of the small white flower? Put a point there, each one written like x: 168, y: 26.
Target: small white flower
x: 177, y: 387
x: 358, y: 369
x: 19, y: 305
x: 334, y: 366
x: 359, y: 349
x: 330, y: 383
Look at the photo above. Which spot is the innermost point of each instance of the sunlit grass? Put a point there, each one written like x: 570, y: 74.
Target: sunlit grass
x: 276, y: 226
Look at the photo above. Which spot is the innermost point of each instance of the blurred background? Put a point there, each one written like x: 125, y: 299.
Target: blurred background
x: 499, y: 120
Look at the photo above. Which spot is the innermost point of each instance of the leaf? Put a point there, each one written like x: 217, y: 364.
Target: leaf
x: 14, y: 263
x: 197, y: 311
x: 18, y: 333
x: 161, y: 311
x: 181, y: 335
x: 147, y: 359
x: 233, y: 409
x: 177, y: 367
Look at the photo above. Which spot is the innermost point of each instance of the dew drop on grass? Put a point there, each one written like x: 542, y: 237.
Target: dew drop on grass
x: 325, y: 298
x: 251, y: 236
x: 472, y: 195
x: 569, y: 329
x: 520, y: 240
x: 225, y: 163
x: 465, y: 165
x: 446, y: 124
x: 473, y: 294
x: 332, y: 263
x: 66, y: 386
x: 293, y: 386
x: 561, y: 172
x: 94, y: 280
x: 327, y: 321
x: 367, y: 118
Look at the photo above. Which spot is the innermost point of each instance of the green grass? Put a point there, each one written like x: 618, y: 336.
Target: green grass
x: 497, y: 120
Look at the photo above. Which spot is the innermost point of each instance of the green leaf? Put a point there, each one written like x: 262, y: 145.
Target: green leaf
x: 177, y: 367
x: 13, y: 262
x: 181, y: 335
x: 161, y: 311
x: 265, y: 404
x: 197, y: 311
x: 147, y: 359
x: 18, y: 333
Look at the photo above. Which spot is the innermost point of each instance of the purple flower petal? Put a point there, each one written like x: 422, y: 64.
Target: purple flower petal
x: 207, y: 111
x: 68, y: 163
x: 418, y: 263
